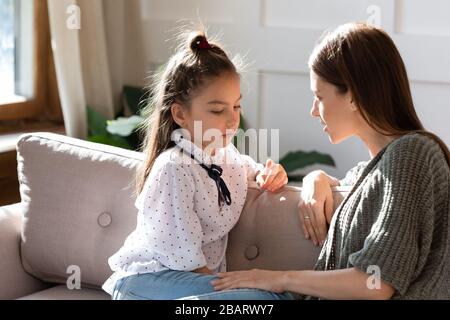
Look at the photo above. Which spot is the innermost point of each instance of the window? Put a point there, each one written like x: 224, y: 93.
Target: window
x: 28, y: 83
x: 7, y: 50
x: 16, y: 50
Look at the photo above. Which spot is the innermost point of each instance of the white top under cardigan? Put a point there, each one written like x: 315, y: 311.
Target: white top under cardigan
x: 180, y: 225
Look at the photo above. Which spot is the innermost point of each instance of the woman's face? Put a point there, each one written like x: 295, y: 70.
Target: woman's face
x: 217, y: 107
x: 334, y: 110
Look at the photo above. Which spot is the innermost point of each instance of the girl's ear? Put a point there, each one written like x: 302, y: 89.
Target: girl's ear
x: 178, y: 114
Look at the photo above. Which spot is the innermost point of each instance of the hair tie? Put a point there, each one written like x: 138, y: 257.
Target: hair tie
x: 202, y: 43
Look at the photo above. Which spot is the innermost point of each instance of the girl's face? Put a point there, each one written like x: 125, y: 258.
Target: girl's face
x: 335, y: 110
x: 217, y: 107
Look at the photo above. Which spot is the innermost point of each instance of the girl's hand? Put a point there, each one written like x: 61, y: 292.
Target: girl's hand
x: 273, y: 177
x: 316, y: 205
x: 258, y: 279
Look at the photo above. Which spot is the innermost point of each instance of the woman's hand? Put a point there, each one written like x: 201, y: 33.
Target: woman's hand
x: 258, y: 279
x: 316, y: 205
x: 273, y: 177
x: 203, y: 270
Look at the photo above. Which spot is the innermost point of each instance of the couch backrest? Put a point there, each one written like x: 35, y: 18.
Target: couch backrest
x: 78, y: 210
x: 269, y: 234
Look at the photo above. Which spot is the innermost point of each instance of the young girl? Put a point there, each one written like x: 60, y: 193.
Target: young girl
x: 191, y: 191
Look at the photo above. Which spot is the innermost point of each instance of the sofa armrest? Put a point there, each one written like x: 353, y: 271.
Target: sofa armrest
x: 14, y: 281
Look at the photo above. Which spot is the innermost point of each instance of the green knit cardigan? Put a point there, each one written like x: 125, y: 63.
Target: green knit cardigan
x: 395, y: 221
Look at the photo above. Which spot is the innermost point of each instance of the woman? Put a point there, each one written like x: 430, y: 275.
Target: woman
x: 390, y: 236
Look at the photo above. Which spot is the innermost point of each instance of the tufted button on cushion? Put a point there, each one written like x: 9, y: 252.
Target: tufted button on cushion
x: 251, y: 252
x: 104, y: 219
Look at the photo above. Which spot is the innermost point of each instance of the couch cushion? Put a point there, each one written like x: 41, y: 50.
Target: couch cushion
x: 15, y: 282
x: 62, y: 293
x: 78, y: 205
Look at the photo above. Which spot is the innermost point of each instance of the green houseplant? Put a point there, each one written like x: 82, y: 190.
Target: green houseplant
x: 122, y: 132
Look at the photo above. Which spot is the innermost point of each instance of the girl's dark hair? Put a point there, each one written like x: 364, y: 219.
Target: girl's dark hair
x: 196, y: 60
x: 364, y: 59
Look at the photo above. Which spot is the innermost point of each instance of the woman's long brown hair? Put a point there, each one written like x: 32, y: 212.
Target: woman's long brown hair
x: 364, y: 59
x: 196, y: 60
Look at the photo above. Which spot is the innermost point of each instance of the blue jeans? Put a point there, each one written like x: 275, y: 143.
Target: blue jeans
x: 171, y: 284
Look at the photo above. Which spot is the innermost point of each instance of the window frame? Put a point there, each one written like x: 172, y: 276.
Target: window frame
x: 44, y: 100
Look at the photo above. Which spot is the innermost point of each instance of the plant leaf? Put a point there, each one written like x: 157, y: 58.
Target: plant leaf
x: 299, y: 159
x: 134, y: 98
x: 243, y: 127
x: 124, y: 126
x: 96, y: 122
x: 243, y: 123
x: 295, y: 177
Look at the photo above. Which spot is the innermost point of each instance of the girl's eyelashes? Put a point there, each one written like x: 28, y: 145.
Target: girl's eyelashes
x: 221, y: 111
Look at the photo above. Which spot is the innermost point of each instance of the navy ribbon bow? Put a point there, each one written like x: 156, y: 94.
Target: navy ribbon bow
x: 215, y: 173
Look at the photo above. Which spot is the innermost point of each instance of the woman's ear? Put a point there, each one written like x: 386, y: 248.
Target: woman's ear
x: 352, y: 104
x: 178, y: 114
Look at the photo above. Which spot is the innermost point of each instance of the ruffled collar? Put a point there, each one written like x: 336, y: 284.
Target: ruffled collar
x: 206, y: 162
x: 191, y: 148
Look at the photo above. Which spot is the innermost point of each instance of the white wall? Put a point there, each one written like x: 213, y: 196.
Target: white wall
x: 278, y: 35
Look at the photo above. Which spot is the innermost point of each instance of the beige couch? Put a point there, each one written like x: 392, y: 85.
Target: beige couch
x: 77, y: 209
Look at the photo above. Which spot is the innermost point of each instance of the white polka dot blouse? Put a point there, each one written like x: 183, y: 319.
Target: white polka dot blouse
x: 180, y: 224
